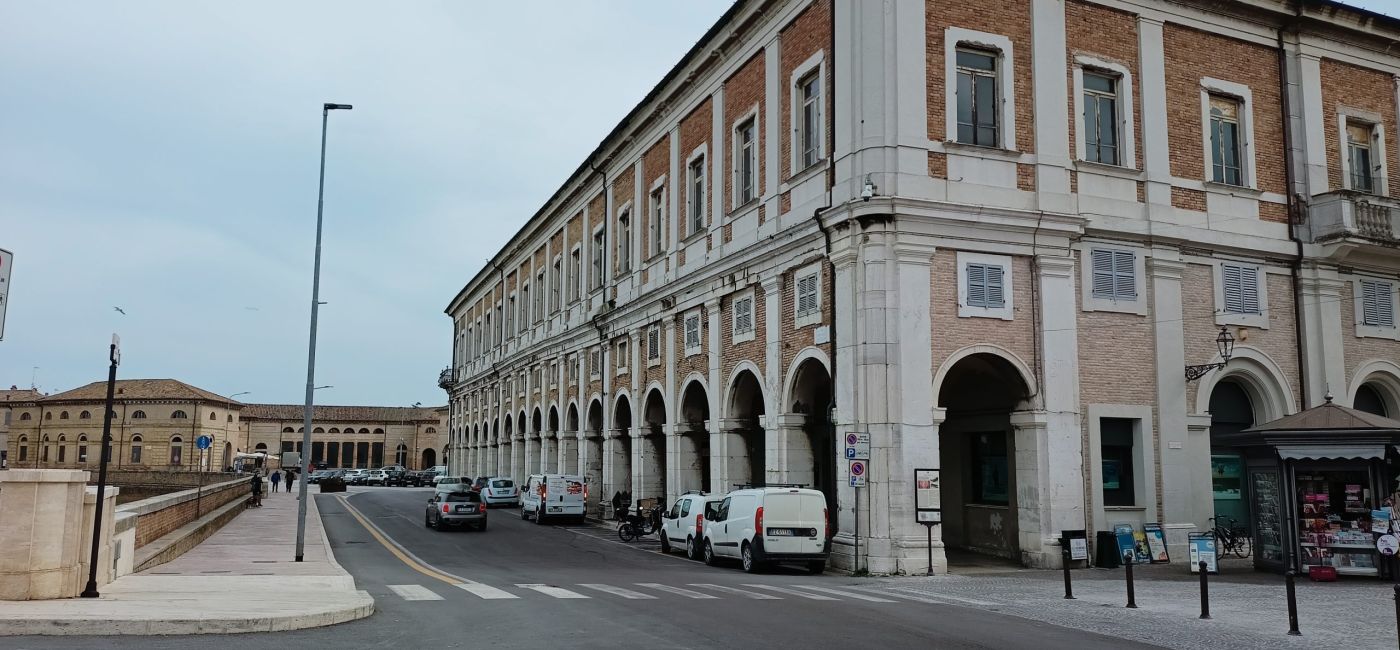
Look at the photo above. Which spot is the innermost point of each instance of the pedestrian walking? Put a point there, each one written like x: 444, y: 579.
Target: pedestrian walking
x: 289, y: 477
x: 257, y: 489
x: 276, y: 479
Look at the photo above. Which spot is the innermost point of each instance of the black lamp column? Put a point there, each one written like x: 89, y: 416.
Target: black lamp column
x: 115, y: 355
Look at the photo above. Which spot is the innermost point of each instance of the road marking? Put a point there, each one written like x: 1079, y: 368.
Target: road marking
x: 557, y: 592
x: 414, y: 592
x: 485, y: 591
x: 848, y: 594
x: 917, y: 599
x: 790, y: 592
x: 741, y: 592
x: 619, y: 591
x: 675, y: 590
x: 398, y: 551
x: 970, y: 601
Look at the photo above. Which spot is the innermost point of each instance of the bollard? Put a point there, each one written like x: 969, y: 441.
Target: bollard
x: 1128, y: 565
x: 1205, y: 592
x: 1397, y: 608
x: 1069, y: 590
x: 1292, y: 605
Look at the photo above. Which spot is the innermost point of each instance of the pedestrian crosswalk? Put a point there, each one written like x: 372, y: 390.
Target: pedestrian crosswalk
x: 693, y: 591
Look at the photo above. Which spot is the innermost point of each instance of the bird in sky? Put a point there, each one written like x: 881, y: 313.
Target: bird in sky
x: 119, y: 310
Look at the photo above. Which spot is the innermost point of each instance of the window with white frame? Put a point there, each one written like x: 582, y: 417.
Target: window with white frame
x: 621, y: 356
x: 488, y: 334
x: 809, y: 123
x: 1114, y: 274
x: 595, y: 364
x: 555, y: 282
x: 1360, y: 157
x: 745, y: 161
x: 1240, y: 288
x: 624, y: 242
x: 539, y: 296
x: 743, y: 316
x: 653, y: 345
x: 575, y: 273
x: 1101, y: 122
x: 1226, y: 141
x: 984, y: 286
x: 657, y: 212
x: 1377, y: 303
x: 596, y: 255
x: 692, y: 333
x: 695, y: 199
x: 807, y: 296
x: 977, y: 96
x: 510, y: 317
x: 522, y: 320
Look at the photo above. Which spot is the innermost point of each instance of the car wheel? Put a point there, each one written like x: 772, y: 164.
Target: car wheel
x: 427, y: 520
x: 523, y: 514
x: 709, y: 553
x: 690, y: 549
x: 816, y: 567
x: 746, y: 559
x: 481, y: 528
x: 665, y: 543
x: 437, y: 525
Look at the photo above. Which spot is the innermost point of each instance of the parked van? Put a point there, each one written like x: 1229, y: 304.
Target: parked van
x: 553, y: 495
x: 762, y: 526
x: 682, y: 524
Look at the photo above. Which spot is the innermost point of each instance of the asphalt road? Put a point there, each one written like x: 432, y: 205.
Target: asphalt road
x: 523, y: 585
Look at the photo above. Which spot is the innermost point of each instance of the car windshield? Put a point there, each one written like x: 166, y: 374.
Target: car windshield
x: 462, y: 497
x: 502, y: 484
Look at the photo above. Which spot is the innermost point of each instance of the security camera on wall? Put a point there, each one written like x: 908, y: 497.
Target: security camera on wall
x: 868, y: 191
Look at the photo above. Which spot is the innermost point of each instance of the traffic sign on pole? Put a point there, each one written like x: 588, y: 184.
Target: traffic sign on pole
x: 857, y: 473
x: 857, y: 446
x: 203, y: 442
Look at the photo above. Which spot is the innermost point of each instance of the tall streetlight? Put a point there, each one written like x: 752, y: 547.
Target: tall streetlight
x: 114, y: 355
x: 311, y: 351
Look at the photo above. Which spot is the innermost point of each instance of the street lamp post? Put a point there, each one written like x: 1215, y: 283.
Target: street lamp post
x: 115, y: 355
x: 311, y: 347
x: 1225, y: 345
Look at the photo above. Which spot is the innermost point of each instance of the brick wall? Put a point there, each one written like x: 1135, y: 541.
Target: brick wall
x: 158, y: 516
x: 1359, y: 350
x: 1198, y: 310
x: 1010, y: 18
x: 731, y: 353
x: 806, y: 35
x: 695, y: 130
x: 742, y: 92
x: 1346, y: 85
x: 951, y: 333
x: 1109, y: 35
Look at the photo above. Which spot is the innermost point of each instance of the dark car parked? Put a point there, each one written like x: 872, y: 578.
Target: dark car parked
x: 455, y: 508
x: 425, y: 478
x: 395, y: 477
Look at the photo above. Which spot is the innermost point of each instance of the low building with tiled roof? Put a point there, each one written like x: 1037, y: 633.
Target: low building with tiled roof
x: 156, y: 423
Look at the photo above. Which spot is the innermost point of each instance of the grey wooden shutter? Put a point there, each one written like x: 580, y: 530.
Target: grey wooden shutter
x: 1377, y: 304
x: 976, y: 285
x: 1103, y: 276
x: 1124, y: 275
x: 995, y: 295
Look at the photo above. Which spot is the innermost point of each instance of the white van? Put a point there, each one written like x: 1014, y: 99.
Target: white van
x: 553, y: 495
x: 761, y: 526
x: 682, y: 524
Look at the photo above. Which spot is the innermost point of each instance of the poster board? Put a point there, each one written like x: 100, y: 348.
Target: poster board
x: 1202, y: 547
x: 1156, y: 543
x: 1127, y: 543
x: 928, y: 498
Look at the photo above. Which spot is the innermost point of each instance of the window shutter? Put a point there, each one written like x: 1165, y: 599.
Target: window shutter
x: 1249, y: 290
x: 743, y: 316
x: 1377, y: 303
x: 1103, y: 265
x: 994, y: 289
x: 976, y: 285
x: 1124, y: 275
x: 806, y: 295
x: 1230, y: 287
x: 653, y: 344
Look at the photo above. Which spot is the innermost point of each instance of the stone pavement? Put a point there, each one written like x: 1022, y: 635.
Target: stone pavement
x: 241, y: 579
x: 1248, y: 609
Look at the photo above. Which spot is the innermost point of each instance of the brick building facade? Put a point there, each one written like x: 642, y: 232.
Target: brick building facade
x: 992, y: 238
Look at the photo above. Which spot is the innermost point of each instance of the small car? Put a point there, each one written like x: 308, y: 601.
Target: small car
x: 455, y: 507
x: 355, y: 476
x: 376, y: 477
x: 500, y: 492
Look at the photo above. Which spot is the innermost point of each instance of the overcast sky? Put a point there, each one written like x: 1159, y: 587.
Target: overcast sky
x: 161, y: 157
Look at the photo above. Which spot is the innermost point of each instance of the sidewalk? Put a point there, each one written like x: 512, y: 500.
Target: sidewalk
x: 242, y: 579
x: 1248, y: 609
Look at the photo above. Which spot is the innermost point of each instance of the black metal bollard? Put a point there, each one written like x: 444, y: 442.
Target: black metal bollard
x: 1069, y: 590
x: 1397, y: 608
x: 1205, y: 591
x: 1292, y: 605
x: 1128, y: 566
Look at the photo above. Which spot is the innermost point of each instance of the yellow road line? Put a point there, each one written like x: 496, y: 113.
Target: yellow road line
x: 393, y: 547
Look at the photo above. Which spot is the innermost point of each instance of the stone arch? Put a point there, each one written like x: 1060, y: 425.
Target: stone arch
x: 654, y: 440
x: 745, y: 440
x: 1262, y: 379
x: 741, y: 372
x: 805, y: 426
x: 571, y: 420
x: 429, y: 457
x: 617, y: 451
x: 1381, y: 375
x: 693, y: 436
x: 813, y: 353
x: 1022, y: 369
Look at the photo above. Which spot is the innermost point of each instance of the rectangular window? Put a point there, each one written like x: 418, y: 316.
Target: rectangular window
x: 135, y: 452
x: 1115, y: 274
x: 1378, y: 303
x: 575, y: 274
x: 554, y: 284
x: 984, y: 286
x: 1116, y: 446
x: 24, y: 453
x: 745, y: 162
x: 1241, y: 288
x: 176, y: 453
x: 624, y: 242
x: 807, y: 299
x: 510, y: 318
x: 1359, y: 157
x: 692, y: 333
x: 1101, y: 118
x: 809, y: 129
x: 658, y: 213
x: 1225, y: 140
x: 539, y: 296
x: 654, y: 344
x: 977, y: 98
x: 599, y: 245
x: 743, y: 316
x: 991, y: 480
x: 622, y: 355
x: 695, y: 205
x: 594, y: 362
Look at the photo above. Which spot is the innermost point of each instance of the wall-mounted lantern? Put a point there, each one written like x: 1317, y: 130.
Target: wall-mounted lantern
x: 1225, y: 343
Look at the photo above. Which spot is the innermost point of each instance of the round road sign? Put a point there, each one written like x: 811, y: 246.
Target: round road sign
x: 1387, y: 544
x: 203, y: 442
x: 858, y: 468
x: 851, y: 440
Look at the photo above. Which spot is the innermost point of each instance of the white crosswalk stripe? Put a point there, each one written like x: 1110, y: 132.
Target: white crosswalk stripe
x: 414, y: 592
x: 619, y: 591
x: 969, y: 601
x: 741, y: 592
x: 906, y: 596
x: 791, y: 592
x: 550, y: 590
x: 847, y: 594
x: 485, y: 591
x: 675, y: 590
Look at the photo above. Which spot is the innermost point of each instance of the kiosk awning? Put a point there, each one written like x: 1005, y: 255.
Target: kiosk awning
x: 1325, y: 452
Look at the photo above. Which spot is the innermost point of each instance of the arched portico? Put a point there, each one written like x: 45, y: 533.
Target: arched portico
x: 809, y: 453
x: 549, y: 443
x: 692, y: 439
x: 534, y: 444
x: 567, y: 462
x: 590, y: 456
x: 1375, y: 388
x: 742, y: 448
x: 617, y: 454
x: 649, y: 456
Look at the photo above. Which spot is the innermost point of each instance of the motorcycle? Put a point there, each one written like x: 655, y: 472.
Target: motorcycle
x: 635, y: 524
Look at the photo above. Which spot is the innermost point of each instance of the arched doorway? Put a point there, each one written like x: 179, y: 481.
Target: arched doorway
x: 591, y: 456
x: 693, y: 439
x: 401, y: 455
x: 1369, y: 399
x: 977, y: 449
x: 493, y: 450
x: 568, y: 442
x: 517, y: 449
x: 429, y: 457
x: 617, y: 454
x: 1231, y: 411
x: 534, y: 445
x: 228, y: 455
x: 653, y: 456
x: 809, y: 408
x: 549, y: 443
x: 745, y: 455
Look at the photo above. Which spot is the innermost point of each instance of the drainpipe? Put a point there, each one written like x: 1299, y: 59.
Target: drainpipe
x: 1295, y: 208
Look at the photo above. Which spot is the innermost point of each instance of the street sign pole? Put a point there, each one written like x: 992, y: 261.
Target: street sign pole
x: 115, y: 355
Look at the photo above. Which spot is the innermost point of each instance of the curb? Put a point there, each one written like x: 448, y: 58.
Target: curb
x: 108, y: 627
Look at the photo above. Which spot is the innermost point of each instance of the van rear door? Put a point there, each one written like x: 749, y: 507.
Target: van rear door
x: 564, y: 494
x: 791, y: 520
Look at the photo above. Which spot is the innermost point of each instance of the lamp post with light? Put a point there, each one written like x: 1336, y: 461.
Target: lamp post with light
x: 1225, y: 344
x: 115, y: 356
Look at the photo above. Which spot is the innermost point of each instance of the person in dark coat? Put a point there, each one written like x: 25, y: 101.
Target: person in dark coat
x: 257, y: 489
x: 276, y: 480
x: 289, y: 477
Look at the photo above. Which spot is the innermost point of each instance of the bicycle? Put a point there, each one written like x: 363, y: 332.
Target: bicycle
x: 1230, y: 539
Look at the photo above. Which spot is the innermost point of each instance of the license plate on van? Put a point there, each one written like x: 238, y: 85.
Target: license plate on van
x: 792, y: 532
x: 556, y: 509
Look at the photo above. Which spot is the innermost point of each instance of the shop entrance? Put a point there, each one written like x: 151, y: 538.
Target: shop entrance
x: 1231, y: 411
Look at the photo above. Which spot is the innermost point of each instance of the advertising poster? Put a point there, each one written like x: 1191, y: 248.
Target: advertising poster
x: 1123, y: 533
x: 928, y: 502
x: 1202, y: 547
x: 1156, y: 543
x: 1380, y: 521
